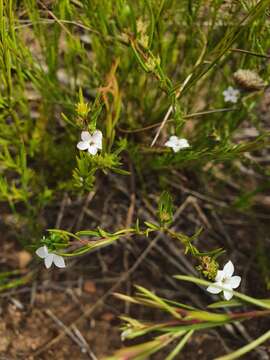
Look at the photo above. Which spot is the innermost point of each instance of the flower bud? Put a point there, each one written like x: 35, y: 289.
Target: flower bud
x: 208, y: 267
x: 82, y: 109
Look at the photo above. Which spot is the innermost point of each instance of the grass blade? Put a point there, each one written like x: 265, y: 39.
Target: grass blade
x: 180, y: 346
x: 245, y: 349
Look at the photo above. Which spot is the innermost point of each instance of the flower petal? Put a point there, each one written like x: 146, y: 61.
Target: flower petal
x: 176, y: 148
x: 228, y: 269
x: 213, y: 289
x: 168, y: 144
x: 173, y: 138
x: 227, y: 294
x: 42, y: 252
x: 49, y: 260
x: 234, y: 281
x: 82, y: 145
x: 92, y: 149
x: 85, y: 136
x: 99, y: 146
x: 59, y: 261
x: 183, y: 143
x: 172, y: 141
x: 97, y: 138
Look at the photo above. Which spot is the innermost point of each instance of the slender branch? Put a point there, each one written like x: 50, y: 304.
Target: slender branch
x: 251, y: 53
x: 188, y: 116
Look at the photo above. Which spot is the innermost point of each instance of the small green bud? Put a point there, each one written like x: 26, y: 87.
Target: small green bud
x: 82, y: 107
x: 55, y: 241
x: 165, y: 208
x: 208, y: 267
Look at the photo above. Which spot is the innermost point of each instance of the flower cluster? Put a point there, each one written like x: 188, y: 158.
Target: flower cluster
x: 225, y: 281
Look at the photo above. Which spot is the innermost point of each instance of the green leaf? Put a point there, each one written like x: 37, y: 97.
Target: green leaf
x: 120, y: 171
x: 152, y: 226
x: 158, y: 300
x: 207, y: 316
x: 225, y: 304
x: 180, y: 346
x: 87, y: 233
x: 63, y: 233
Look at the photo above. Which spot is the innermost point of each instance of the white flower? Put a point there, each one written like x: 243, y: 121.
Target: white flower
x: 225, y: 282
x: 125, y: 334
x: 176, y: 143
x: 90, y: 142
x: 231, y: 95
x: 50, y: 258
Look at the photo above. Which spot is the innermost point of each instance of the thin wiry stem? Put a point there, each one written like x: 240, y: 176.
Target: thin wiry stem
x: 188, y: 116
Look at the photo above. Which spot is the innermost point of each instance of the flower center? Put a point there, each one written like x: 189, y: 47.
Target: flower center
x: 225, y: 281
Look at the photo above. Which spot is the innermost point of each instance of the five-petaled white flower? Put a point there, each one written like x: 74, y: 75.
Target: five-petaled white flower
x: 50, y: 258
x: 225, y: 282
x: 176, y: 143
x: 90, y: 142
x: 231, y: 95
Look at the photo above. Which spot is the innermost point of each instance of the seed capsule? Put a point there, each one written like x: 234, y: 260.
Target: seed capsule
x: 248, y: 80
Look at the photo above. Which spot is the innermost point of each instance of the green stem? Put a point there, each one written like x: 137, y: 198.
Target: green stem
x: 245, y: 349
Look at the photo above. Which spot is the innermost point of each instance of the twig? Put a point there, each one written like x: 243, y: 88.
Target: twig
x: 61, y: 211
x: 80, y: 336
x: 223, y: 229
x: 85, y: 207
x: 57, y: 20
x: 66, y: 329
x: 209, y: 199
x: 33, y: 293
x: 27, y: 23
x: 188, y: 116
